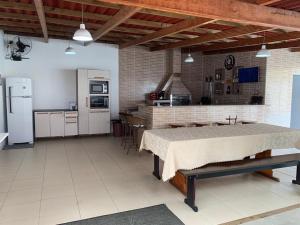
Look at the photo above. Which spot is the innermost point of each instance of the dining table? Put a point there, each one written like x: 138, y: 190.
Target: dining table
x: 187, y: 148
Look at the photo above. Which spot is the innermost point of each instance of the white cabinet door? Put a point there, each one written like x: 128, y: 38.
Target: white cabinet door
x: 42, y: 124
x: 57, y: 124
x: 98, y: 74
x: 99, y: 122
x: 83, y: 101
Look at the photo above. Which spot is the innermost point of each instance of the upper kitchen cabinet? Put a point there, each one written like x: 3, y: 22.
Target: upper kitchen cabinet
x: 98, y: 74
x: 93, y: 101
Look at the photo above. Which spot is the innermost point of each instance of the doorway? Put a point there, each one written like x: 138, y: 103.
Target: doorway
x: 295, y: 114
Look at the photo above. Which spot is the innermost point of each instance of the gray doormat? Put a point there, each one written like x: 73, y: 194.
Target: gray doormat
x: 154, y: 215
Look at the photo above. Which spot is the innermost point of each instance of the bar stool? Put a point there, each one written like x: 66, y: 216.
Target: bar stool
x: 125, y: 128
x: 135, y: 124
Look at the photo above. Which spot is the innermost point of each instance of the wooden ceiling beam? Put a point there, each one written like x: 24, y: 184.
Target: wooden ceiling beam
x: 120, y: 17
x: 52, y: 33
x: 114, y: 6
x: 150, y: 25
x: 247, y: 42
x: 145, y: 25
x: 295, y: 49
x: 290, y: 44
x: 176, y: 28
x: 134, y: 31
x: 41, y: 14
x: 266, y: 2
x: 228, y: 10
x: 19, y: 25
x: 23, y: 27
x: 230, y: 33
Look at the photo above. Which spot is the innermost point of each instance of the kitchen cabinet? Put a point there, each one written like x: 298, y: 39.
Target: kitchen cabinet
x: 91, y: 120
x: 71, y: 123
x: 83, y: 101
x: 57, y: 124
x: 98, y: 74
x: 42, y: 125
x: 99, y: 122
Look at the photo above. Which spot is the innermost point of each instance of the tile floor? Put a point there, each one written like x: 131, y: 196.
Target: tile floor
x: 287, y: 218
x: 61, y: 180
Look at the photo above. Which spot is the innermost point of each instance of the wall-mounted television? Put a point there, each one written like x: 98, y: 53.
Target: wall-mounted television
x: 248, y: 75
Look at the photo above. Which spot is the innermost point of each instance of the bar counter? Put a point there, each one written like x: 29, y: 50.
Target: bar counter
x: 163, y: 116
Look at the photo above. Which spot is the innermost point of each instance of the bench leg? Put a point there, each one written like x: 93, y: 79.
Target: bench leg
x: 190, y: 200
x: 156, y: 167
x: 297, y: 181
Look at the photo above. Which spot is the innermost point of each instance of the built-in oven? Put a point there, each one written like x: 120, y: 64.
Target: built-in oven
x: 98, y: 87
x: 99, y: 102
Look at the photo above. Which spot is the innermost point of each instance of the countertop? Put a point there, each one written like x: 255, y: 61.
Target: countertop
x: 195, y: 105
x: 54, y: 110
x: 3, y: 136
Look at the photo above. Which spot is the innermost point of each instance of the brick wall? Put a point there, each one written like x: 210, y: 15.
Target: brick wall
x: 192, y: 76
x: 281, y: 67
x: 162, y: 117
x: 205, y: 66
x: 140, y: 71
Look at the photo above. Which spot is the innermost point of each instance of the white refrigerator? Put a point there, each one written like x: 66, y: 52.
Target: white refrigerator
x: 19, y: 110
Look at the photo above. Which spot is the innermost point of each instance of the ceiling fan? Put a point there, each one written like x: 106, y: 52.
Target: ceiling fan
x: 17, y: 48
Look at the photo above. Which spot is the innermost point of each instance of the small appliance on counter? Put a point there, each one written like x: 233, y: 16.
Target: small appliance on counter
x: 72, y: 106
x: 19, y: 110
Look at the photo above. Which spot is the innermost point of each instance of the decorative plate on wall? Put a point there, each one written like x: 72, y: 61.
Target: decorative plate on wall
x: 229, y: 62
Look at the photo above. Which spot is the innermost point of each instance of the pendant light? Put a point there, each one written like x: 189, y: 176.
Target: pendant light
x: 70, y: 51
x: 82, y: 34
x: 263, y: 52
x: 189, y: 58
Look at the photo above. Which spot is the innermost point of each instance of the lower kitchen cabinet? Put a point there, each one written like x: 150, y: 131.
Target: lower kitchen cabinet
x: 57, y: 124
x: 71, y: 123
x: 99, y: 122
x: 42, y: 125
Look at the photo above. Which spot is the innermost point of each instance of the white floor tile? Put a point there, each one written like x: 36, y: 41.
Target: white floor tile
x: 63, y: 180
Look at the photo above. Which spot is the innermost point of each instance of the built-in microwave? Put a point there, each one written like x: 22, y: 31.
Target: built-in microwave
x: 99, y: 102
x: 98, y: 87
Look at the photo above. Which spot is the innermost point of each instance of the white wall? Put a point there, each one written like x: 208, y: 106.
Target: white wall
x: 2, y: 124
x: 54, y: 74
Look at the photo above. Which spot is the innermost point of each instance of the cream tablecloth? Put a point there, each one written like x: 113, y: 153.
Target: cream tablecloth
x: 189, y: 148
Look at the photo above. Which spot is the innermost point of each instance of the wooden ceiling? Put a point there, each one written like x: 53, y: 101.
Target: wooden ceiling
x: 211, y: 26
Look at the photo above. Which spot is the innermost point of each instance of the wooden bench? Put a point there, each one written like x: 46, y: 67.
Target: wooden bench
x: 236, y: 167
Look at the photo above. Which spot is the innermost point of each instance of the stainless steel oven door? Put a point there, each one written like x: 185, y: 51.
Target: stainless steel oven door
x: 99, y: 102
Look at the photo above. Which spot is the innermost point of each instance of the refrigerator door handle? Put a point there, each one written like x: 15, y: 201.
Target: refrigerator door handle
x: 9, y: 95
